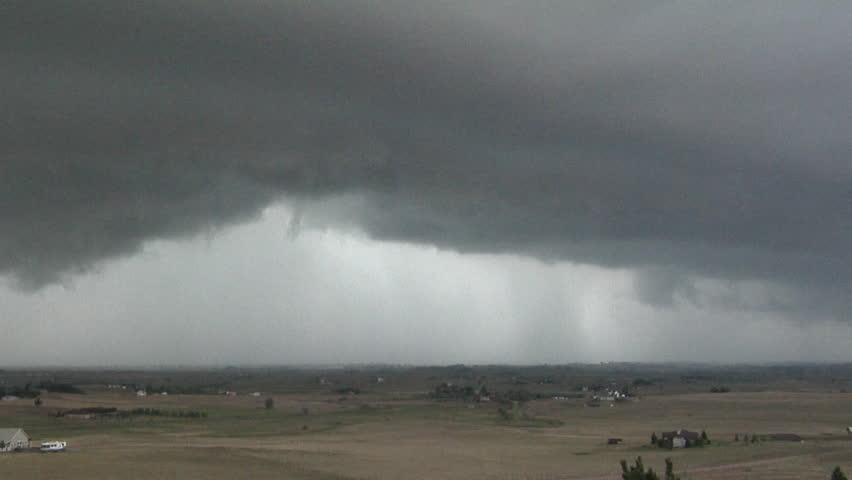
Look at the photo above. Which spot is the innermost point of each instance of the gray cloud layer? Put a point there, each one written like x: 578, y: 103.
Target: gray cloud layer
x: 682, y: 139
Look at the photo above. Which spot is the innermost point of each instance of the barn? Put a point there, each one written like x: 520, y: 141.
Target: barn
x: 681, y: 438
x: 12, y: 439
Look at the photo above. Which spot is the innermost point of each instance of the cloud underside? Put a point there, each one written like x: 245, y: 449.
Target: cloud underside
x: 685, y: 141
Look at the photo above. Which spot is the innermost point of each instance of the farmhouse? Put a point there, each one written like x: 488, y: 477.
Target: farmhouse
x: 681, y: 438
x: 12, y: 439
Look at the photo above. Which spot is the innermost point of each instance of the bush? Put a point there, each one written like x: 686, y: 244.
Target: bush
x: 838, y: 474
x: 269, y: 403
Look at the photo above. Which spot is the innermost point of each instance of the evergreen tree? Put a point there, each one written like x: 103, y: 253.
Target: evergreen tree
x: 654, y: 438
x: 736, y: 437
x: 838, y: 474
x: 637, y: 472
x: 670, y: 470
x: 704, y: 438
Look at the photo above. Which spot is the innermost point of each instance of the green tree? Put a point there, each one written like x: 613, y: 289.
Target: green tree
x: 37, y: 402
x: 736, y: 437
x: 670, y: 470
x: 270, y: 403
x: 2, y: 445
x: 838, y: 474
x: 637, y: 472
x: 654, y: 438
x: 753, y: 438
x: 704, y: 438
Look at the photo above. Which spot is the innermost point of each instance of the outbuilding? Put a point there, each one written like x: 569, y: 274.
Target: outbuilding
x: 681, y: 438
x: 12, y: 439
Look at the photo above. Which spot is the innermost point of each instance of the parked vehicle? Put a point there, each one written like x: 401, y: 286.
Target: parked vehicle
x: 53, y: 446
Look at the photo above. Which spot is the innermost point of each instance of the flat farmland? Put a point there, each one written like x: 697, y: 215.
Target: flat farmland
x: 397, y: 435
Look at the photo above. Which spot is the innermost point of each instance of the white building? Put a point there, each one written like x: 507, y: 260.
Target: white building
x: 141, y: 393
x: 13, y: 439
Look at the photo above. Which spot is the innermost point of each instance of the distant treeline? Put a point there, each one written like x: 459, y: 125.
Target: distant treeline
x: 21, y: 392
x: 446, y: 391
x: 27, y: 391
x: 60, y: 387
x: 348, y: 390
x: 184, y: 389
x: 90, y: 411
x: 114, y: 412
x: 84, y: 411
x: 156, y: 412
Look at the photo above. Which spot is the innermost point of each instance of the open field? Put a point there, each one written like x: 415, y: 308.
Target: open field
x: 395, y: 430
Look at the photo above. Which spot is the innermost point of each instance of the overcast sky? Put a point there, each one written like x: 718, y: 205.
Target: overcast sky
x: 217, y: 182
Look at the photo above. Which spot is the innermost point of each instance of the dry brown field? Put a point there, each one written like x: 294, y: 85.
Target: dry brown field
x: 372, y: 436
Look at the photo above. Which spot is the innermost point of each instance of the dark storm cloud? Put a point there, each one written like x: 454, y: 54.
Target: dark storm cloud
x: 682, y: 139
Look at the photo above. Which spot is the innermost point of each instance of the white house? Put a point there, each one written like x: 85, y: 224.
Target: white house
x: 12, y: 439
